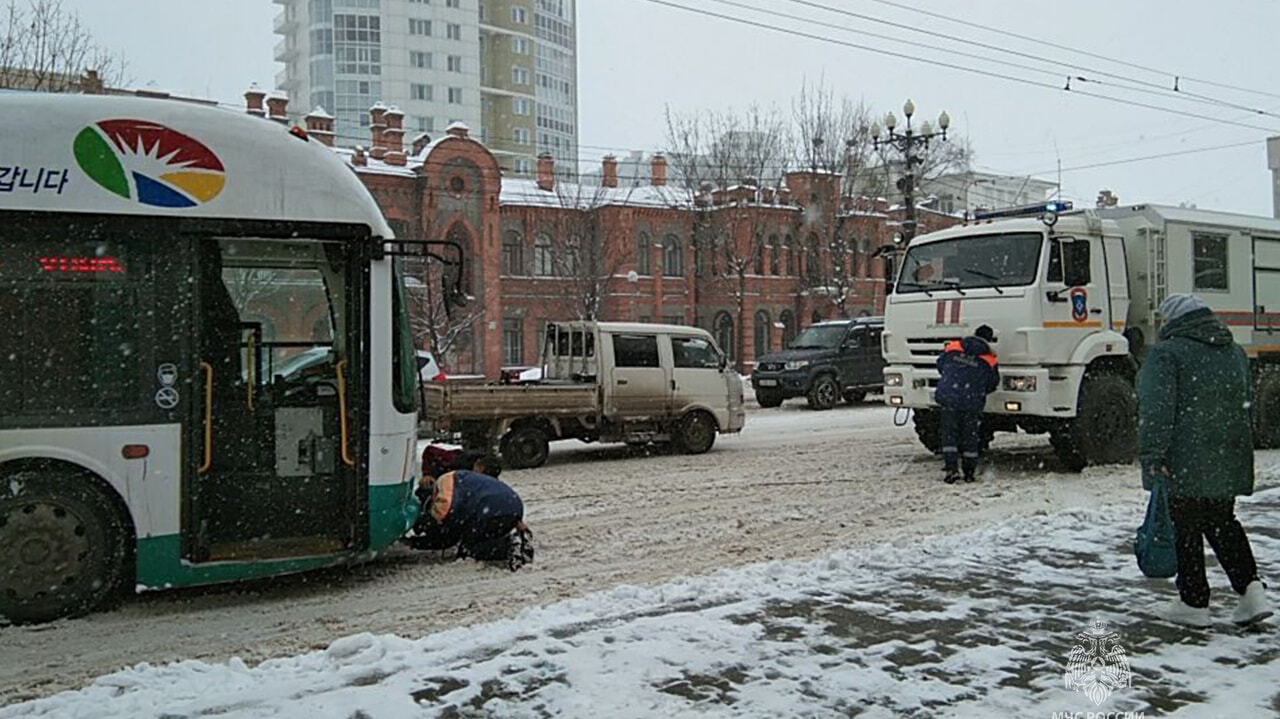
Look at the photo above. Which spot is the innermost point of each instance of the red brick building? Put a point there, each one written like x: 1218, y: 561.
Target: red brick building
x: 753, y: 265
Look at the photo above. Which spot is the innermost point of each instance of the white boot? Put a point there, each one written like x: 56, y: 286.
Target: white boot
x: 1180, y: 613
x: 1253, y: 606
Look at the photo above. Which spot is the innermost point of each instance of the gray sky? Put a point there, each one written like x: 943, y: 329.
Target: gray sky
x: 637, y: 57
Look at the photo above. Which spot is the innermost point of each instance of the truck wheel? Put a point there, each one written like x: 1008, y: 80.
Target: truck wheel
x: 63, y: 546
x: 1266, y: 413
x: 1065, y: 447
x: 823, y: 393
x: 769, y: 397
x: 928, y: 429
x: 697, y: 433
x: 525, y: 447
x: 854, y: 396
x: 1105, y: 430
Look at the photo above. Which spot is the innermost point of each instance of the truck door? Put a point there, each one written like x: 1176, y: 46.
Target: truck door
x: 639, y: 385
x: 697, y: 379
x: 1076, y: 294
x: 1117, y: 280
x: 1266, y: 287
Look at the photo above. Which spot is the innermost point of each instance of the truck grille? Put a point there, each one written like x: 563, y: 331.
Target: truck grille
x: 928, y: 347
x: 770, y: 366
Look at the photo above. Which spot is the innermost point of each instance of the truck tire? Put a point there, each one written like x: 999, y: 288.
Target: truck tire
x: 1266, y: 412
x: 854, y: 396
x: 1105, y: 429
x: 64, y: 548
x: 696, y: 432
x: 928, y: 429
x: 525, y: 447
x: 769, y: 397
x: 823, y: 393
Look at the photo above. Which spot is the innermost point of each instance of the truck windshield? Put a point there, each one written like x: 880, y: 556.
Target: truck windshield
x: 1008, y: 260
x: 820, y: 337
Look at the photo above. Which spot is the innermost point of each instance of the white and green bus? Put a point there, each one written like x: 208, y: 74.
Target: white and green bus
x: 206, y: 368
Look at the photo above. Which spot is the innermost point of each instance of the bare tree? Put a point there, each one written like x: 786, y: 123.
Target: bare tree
x: 582, y: 254
x: 730, y: 162
x: 46, y: 47
x: 443, y: 330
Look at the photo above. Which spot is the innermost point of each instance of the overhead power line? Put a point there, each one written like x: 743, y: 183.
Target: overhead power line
x: 1143, y: 158
x: 1086, y: 53
x: 951, y: 65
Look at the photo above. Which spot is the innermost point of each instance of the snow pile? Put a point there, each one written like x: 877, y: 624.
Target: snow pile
x: 956, y: 626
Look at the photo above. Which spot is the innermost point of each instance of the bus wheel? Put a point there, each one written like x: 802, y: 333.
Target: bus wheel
x: 1266, y: 414
x: 525, y: 447
x: 697, y: 432
x: 928, y: 429
x: 63, y: 549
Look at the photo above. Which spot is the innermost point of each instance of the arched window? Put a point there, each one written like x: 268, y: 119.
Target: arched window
x: 763, y: 333
x: 817, y: 317
x: 644, y: 254
x: 572, y: 256
x: 458, y: 233
x: 543, y: 256
x: 512, y: 253
x: 813, y: 258
x: 723, y: 329
x: 775, y: 249
x: 672, y: 257
x: 788, y: 320
x: 791, y: 256
x: 757, y: 256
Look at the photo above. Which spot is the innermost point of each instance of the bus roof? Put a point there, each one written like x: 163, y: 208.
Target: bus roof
x: 142, y: 156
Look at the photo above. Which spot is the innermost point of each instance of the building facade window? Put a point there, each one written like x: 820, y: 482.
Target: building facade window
x: 723, y: 330
x: 788, y: 321
x: 543, y: 256
x: 519, y: 45
x: 419, y: 27
x: 757, y: 256
x: 519, y: 75
x: 791, y: 256
x: 813, y: 259
x: 763, y: 333
x: 524, y: 165
x: 424, y: 124
x: 455, y: 63
x: 519, y: 15
x: 521, y: 106
x: 513, y: 340
x: 672, y: 257
x: 644, y: 252
x: 512, y: 253
x: 775, y: 249
x: 521, y: 136
x: 453, y: 31
x: 420, y: 60
x: 455, y: 96
x: 453, y: 3
x: 420, y: 91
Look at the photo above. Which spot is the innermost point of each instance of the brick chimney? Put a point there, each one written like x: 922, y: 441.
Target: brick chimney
x: 393, y: 136
x: 458, y: 129
x: 420, y: 143
x: 253, y: 100
x: 609, y: 171
x: 546, y: 172
x: 658, y: 170
x: 91, y: 83
x: 358, y: 158
x: 278, y: 107
x: 320, y: 125
x: 378, y: 123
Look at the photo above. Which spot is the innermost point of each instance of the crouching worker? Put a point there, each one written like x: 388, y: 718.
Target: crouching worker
x: 968, y: 373
x: 475, y: 512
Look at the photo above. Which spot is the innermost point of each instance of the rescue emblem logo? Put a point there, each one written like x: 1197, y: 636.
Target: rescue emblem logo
x: 1079, y: 304
x: 149, y: 162
x: 1097, y: 665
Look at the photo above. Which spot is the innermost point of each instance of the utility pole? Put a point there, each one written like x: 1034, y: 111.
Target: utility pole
x: 907, y: 142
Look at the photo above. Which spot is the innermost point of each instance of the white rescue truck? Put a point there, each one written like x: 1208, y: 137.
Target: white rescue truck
x: 1072, y: 297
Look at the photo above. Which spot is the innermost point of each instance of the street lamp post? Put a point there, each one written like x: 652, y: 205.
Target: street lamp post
x: 907, y: 142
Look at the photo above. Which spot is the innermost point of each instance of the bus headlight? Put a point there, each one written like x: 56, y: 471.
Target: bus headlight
x: 893, y: 380
x: 1016, y: 383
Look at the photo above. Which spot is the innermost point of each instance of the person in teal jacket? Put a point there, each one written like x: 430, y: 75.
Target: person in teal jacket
x: 1194, y: 430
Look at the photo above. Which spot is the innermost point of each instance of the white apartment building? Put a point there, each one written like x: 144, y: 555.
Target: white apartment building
x: 506, y: 68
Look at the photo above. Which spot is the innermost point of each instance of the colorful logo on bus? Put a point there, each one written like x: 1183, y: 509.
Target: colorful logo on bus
x: 150, y: 163
x: 1079, y: 304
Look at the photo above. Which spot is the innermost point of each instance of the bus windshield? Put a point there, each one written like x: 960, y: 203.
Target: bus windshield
x: 1008, y: 260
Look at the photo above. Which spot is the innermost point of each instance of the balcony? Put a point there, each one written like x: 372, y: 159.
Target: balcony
x: 286, y: 22
x: 285, y: 50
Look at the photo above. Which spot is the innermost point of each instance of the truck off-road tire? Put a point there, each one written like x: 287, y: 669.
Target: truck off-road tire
x: 769, y: 397
x: 1064, y: 447
x: 1266, y: 409
x: 854, y: 396
x: 64, y: 548
x: 824, y: 393
x: 525, y: 447
x: 1105, y: 429
x: 928, y: 429
x: 696, y: 433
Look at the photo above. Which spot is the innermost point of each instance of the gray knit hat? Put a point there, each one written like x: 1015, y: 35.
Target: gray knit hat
x: 1175, y: 306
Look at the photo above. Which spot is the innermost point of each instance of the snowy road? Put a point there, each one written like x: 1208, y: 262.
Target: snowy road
x: 794, y: 485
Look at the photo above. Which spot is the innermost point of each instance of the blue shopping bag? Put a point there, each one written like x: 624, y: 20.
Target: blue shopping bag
x: 1154, y: 543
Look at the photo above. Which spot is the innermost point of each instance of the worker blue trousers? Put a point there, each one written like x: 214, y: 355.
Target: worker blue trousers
x: 961, y: 435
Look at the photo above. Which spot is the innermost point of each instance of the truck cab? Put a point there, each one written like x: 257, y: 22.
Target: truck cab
x: 1055, y: 291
